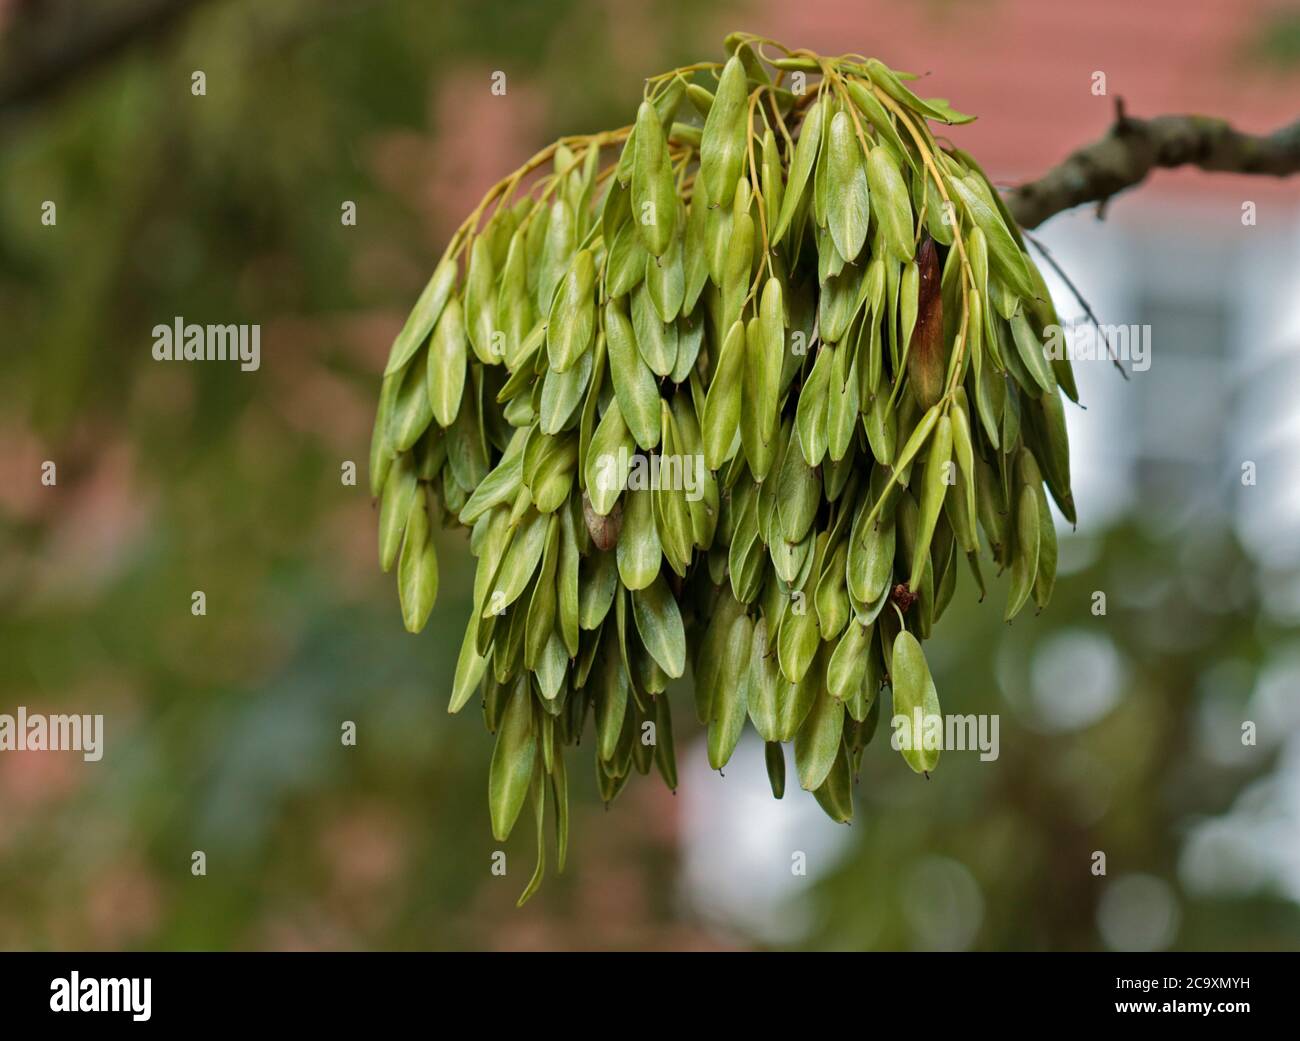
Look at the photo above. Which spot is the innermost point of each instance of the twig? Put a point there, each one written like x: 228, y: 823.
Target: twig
x: 1087, y: 308
x: 1132, y: 148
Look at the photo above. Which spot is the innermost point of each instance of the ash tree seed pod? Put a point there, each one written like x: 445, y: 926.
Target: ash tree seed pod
x: 883, y: 123
x: 718, y: 227
x: 964, y: 453
x: 665, y: 282
x: 764, y: 684
x: 797, y: 645
x: 639, y: 551
x: 831, y: 597
x: 412, y: 411
x: 842, y: 402
x: 847, y: 201
x: 757, y: 420
x: 722, y: 148
x: 730, y: 701
x: 916, y: 700
x: 810, y: 415
x: 695, y: 250
x: 656, y: 341
x: 568, y: 567
x: 628, y: 311
x: 1049, y: 418
x: 519, y: 563
x: 799, y: 493
x: 818, y: 741
x: 801, y: 167
x: 1005, y: 256
x: 722, y: 406
x: 597, y: 584
x: 606, y: 475
x: 571, y: 328
x: 772, y: 184
x: 672, y: 514
x: 665, y: 755
x: 820, y: 199
x: 480, y: 300
x: 835, y: 796
x: 395, y: 508
x: 1024, y: 555
x: 382, y: 452
x: 659, y: 621
x: 514, y: 308
x: 709, y: 658
x: 542, y: 605
x: 634, y: 384
x: 445, y: 371
x: 1031, y: 353
x: 511, y: 771
x: 848, y: 662
x: 700, y: 97
x: 556, y: 251
x: 562, y: 392
x: 611, y: 699
x: 881, y: 429
x: 890, y: 203
x: 771, y: 345
x: 427, y: 310
x: 417, y: 572
x: 470, y: 668
x: 774, y: 759
x: 654, y: 190
x: 627, y: 262
x: 1045, y: 575
x: 736, y: 265
x: 934, y: 487
x: 796, y: 701
x: 926, y: 357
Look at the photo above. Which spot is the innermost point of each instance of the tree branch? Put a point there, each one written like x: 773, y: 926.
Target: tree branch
x: 1132, y: 148
x: 50, y: 46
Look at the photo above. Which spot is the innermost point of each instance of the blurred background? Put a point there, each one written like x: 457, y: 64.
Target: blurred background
x: 1119, y: 734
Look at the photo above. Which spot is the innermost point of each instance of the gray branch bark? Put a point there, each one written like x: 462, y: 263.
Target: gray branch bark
x: 1132, y: 148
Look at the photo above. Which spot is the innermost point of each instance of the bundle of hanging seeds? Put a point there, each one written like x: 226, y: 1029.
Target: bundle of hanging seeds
x: 734, y: 387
